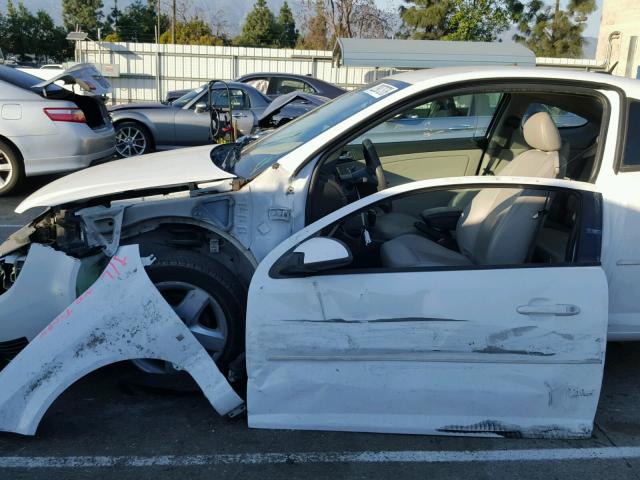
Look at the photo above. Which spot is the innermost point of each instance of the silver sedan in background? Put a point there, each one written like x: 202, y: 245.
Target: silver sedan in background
x: 45, y: 128
x: 145, y: 127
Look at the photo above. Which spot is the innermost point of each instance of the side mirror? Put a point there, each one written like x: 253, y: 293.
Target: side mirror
x: 201, y: 107
x: 312, y: 256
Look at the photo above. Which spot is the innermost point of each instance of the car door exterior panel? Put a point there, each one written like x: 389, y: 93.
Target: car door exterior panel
x: 192, y: 128
x: 428, y: 352
x: 490, y: 351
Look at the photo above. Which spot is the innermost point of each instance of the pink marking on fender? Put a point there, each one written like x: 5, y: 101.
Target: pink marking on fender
x: 106, y: 274
x: 121, y: 261
x: 115, y: 269
x: 83, y: 297
x: 64, y: 315
x: 67, y: 313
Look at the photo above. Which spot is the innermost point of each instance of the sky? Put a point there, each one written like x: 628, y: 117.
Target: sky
x: 240, y: 8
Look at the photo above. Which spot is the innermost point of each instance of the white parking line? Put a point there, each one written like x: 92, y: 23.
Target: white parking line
x: 9, y: 226
x: 534, y: 455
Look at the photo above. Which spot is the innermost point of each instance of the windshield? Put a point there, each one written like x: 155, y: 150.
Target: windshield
x: 260, y: 155
x: 187, y: 97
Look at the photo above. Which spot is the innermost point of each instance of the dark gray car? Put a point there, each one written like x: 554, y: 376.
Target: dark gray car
x: 144, y: 127
x: 274, y: 85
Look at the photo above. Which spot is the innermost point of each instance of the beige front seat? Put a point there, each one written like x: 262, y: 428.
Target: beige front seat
x: 498, y: 225
x: 544, y: 161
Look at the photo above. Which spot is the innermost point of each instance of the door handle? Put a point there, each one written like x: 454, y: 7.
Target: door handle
x: 459, y: 127
x: 559, y: 309
x: 239, y: 115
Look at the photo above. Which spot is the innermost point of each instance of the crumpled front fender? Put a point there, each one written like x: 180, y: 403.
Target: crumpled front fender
x: 122, y: 316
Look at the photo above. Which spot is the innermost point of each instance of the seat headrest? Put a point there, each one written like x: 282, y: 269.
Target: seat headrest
x: 541, y: 133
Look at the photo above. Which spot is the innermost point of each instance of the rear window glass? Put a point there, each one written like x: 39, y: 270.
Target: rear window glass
x: 24, y: 80
x: 561, y: 118
x: 632, y: 146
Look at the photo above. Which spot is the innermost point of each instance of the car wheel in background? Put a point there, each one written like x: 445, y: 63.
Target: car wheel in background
x: 132, y: 139
x: 11, y: 168
x: 208, y: 299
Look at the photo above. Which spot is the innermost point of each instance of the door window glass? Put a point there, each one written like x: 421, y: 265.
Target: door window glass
x: 460, y: 116
x: 632, y: 147
x: 561, y: 118
x: 260, y: 84
x: 468, y: 227
x: 239, y: 101
x: 288, y: 85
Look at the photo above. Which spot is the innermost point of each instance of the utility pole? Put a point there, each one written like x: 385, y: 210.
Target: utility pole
x: 173, y: 23
x: 158, y: 21
x: 556, y: 20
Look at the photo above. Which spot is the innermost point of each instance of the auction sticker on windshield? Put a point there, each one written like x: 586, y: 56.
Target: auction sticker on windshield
x: 380, y: 90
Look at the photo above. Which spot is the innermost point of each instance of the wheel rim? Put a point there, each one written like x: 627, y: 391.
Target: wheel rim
x: 201, y: 313
x: 6, y: 169
x: 130, y: 141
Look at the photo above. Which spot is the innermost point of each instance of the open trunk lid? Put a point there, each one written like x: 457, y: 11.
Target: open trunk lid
x: 85, y: 75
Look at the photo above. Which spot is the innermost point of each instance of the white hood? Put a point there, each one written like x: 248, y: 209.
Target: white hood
x: 156, y: 170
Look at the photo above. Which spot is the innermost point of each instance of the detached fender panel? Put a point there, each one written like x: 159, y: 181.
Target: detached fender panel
x: 122, y: 316
x: 46, y: 285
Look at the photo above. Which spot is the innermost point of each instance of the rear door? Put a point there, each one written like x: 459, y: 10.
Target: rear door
x: 512, y: 350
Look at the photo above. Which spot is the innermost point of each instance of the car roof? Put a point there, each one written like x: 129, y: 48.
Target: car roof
x: 630, y: 86
x: 308, y: 78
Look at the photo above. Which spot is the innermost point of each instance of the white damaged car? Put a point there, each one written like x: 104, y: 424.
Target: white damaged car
x: 380, y: 270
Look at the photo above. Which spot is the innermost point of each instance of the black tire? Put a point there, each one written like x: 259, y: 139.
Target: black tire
x: 132, y: 139
x: 204, y: 273
x: 11, y: 169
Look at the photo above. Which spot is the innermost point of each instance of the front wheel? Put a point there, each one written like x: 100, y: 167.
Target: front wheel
x: 208, y: 299
x: 132, y: 139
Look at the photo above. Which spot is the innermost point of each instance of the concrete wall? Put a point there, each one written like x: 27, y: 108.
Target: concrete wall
x: 624, y: 16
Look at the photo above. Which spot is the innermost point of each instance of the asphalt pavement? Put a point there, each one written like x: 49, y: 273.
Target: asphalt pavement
x: 106, y: 426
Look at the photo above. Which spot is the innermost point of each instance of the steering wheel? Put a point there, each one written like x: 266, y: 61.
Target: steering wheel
x: 373, y: 163
x: 214, y: 123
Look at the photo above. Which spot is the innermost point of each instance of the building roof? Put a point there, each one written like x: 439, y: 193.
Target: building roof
x: 389, y: 53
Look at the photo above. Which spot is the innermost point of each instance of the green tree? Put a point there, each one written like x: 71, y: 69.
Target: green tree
x: 192, y: 32
x: 83, y: 14
x: 288, y: 34
x: 426, y: 19
x: 136, y: 23
x: 473, y: 20
x: 32, y: 37
x: 259, y: 28
x: 551, y: 31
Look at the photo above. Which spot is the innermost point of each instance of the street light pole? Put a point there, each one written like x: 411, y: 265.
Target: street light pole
x: 173, y: 23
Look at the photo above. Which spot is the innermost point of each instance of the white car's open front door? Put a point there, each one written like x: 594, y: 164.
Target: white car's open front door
x: 508, y: 350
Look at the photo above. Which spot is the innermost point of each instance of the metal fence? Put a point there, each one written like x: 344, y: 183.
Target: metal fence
x: 143, y: 72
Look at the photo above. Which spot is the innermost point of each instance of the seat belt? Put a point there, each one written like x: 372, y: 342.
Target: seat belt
x: 540, y: 215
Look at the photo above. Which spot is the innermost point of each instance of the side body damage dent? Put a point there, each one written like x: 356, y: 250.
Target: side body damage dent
x: 437, y: 353
x: 45, y: 286
x: 106, y: 324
